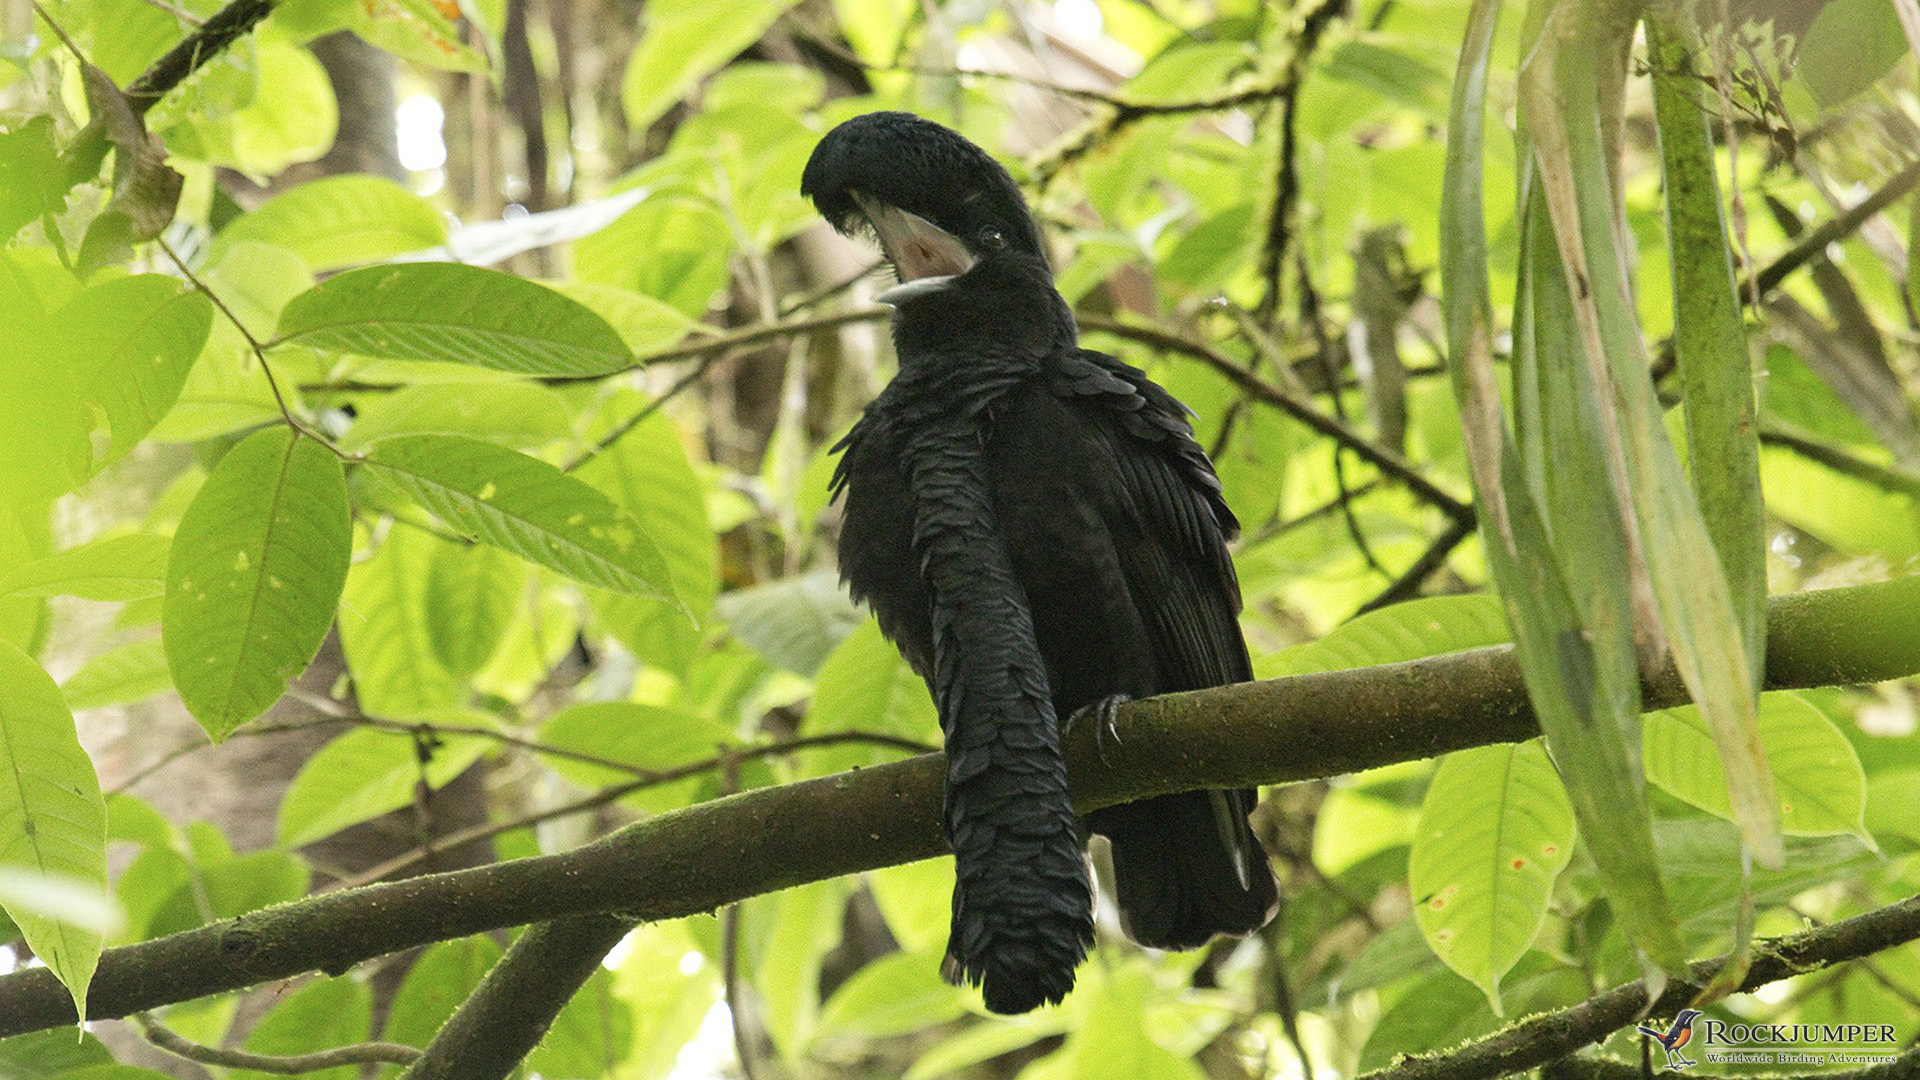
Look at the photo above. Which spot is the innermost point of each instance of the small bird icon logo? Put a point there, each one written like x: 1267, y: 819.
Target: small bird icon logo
x: 1677, y: 1035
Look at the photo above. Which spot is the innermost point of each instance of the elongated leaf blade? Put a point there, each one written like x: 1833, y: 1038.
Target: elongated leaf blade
x: 341, y: 221
x: 53, y: 821
x: 254, y: 576
x: 528, y: 507
x: 363, y: 774
x: 117, y: 568
x: 461, y: 314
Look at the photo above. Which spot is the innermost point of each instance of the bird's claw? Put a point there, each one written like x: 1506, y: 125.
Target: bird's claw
x: 1107, y: 712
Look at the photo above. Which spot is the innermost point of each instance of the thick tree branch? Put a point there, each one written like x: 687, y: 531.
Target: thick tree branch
x: 713, y: 853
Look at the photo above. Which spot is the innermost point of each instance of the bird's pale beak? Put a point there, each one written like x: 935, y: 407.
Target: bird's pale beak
x: 925, y: 256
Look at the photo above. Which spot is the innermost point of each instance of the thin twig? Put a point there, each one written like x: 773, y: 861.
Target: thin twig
x: 604, y: 796
x: 1273, y: 254
x: 376, y: 1053
x: 1408, y: 584
x: 1290, y: 402
x: 418, y: 728
x: 1886, y: 477
x: 1323, y: 349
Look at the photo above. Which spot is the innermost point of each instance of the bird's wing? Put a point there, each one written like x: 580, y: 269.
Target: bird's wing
x: 1175, y: 561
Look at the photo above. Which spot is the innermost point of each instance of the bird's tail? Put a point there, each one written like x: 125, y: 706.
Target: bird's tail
x: 1022, y: 902
x: 1187, y: 867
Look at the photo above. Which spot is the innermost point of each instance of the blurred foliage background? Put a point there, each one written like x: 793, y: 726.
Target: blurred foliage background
x: 1242, y: 198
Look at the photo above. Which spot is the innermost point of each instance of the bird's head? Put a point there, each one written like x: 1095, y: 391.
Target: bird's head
x: 948, y: 216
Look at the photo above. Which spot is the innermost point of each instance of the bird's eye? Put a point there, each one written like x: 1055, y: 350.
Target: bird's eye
x: 992, y: 239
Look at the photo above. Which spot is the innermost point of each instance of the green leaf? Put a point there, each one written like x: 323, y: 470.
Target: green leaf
x: 78, y: 905
x: 526, y: 506
x: 590, y: 1037
x: 1495, y: 831
x: 117, y: 568
x: 364, y: 774
x: 223, y: 886
x: 1418, y: 628
x: 32, y: 179
x: 647, y: 474
x: 117, y: 676
x: 643, y: 736
x: 521, y: 414
x: 462, y: 314
x: 51, y: 1053
x: 1815, y: 770
x: 1849, y: 46
x: 385, y: 633
x: 254, y: 576
x: 668, y: 985
x: 684, y: 41
x: 899, y: 993
x: 794, y: 622
x: 53, y: 821
x: 341, y: 221
x: 472, y: 594
x: 129, y: 343
x: 295, y: 120
x: 865, y: 685
x: 318, y: 1016
x: 916, y: 900
x: 436, y: 984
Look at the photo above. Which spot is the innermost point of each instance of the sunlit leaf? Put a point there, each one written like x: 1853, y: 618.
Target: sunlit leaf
x: 526, y: 506
x: 340, y: 221
x: 363, y: 774
x: 117, y: 568
x: 254, y: 576
x: 53, y: 822
x: 462, y: 314
x: 1495, y: 831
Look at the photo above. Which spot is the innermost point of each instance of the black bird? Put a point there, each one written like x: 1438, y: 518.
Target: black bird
x: 1039, y: 533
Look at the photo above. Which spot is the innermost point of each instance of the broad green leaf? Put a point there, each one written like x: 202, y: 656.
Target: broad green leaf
x: 82, y: 906
x: 644, y: 323
x: 1418, y: 628
x: 916, y: 899
x: 436, y: 984
x: 129, y: 342
x: 1700, y: 856
x: 472, y: 595
x: 364, y: 774
x: 647, y: 474
x: 254, y: 576
x: 134, y: 819
x: 519, y: 414
x: 46, y: 451
x: 1815, y: 770
x: 976, y: 1043
x: 384, y: 629
x: 225, y: 392
x: 221, y: 885
x: 462, y: 314
x: 687, y: 265
x: 589, y: 1037
x: 791, y: 931
x: 668, y: 985
x: 865, y: 685
x: 642, y: 736
x: 53, y: 822
x: 1495, y: 831
x: 525, y: 506
x: 899, y: 993
x: 32, y: 180
x: 117, y: 568
x: 682, y: 42
x: 1109, y: 1039
x: 1849, y: 46
x: 294, y: 119
x: 795, y: 622
x: 318, y: 1016
x: 129, y: 673
x: 51, y: 1053
x: 341, y: 221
